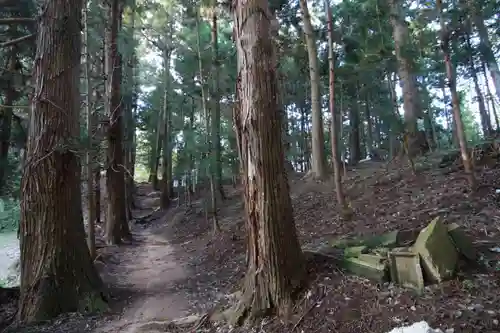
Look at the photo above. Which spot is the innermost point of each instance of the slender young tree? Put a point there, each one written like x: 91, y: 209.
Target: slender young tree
x: 455, y: 100
x: 57, y: 274
x: 335, y: 152
x: 318, y: 158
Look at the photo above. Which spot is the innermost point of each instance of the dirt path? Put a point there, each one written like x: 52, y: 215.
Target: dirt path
x: 143, y: 276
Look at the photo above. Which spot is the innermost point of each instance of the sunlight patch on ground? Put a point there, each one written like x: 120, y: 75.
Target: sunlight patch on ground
x: 419, y: 327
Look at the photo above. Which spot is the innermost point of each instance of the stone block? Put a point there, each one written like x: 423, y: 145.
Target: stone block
x: 405, y: 268
x: 354, y: 251
x: 366, y: 269
x: 437, y: 252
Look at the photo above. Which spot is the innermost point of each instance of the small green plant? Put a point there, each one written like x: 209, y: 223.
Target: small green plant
x: 9, y: 214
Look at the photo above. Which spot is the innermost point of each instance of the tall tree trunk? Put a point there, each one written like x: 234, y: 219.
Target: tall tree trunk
x: 483, y: 113
x: 216, y: 159
x: 334, y: 127
x: 395, y: 127
x: 318, y: 160
x: 275, y: 265
x: 369, y: 126
x: 490, y: 96
x: 354, y: 123
x: 99, y: 137
x: 130, y: 102
x: 57, y: 274
x: 155, y: 153
x: 305, y: 138
x: 484, y: 44
x: 166, y: 174
x: 430, y: 134
x: 90, y: 135
x: 455, y: 100
x: 6, y: 116
x: 117, y: 222
x: 412, y: 107
x: 208, y: 145
x: 448, y: 115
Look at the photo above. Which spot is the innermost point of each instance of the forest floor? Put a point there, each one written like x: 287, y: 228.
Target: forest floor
x: 177, y: 268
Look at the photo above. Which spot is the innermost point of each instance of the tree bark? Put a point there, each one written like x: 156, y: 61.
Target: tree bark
x: 57, y: 274
x: 369, y: 126
x: 412, y: 107
x: 166, y: 175
x: 275, y: 266
x: 90, y: 135
x: 318, y: 160
x: 483, y: 113
x: 455, y: 100
x: 216, y: 160
x: 354, y: 123
x: 485, y: 46
x: 208, y: 144
x: 155, y: 155
x: 117, y: 222
x: 490, y: 96
x: 334, y: 128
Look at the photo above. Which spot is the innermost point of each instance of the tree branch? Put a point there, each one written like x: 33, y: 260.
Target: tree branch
x: 2, y: 106
x: 14, y: 20
x: 17, y: 41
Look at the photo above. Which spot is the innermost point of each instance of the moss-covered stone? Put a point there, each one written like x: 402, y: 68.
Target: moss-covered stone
x: 364, y: 268
x: 405, y: 269
x: 354, y: 251
x: 438, y: 254
x: 372, y: 258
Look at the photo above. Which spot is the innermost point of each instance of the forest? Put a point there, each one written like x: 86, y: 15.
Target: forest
x: 249, y: 166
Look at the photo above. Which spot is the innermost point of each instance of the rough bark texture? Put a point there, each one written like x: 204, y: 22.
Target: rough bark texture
x: 275, y: 265
x: 411, y: 104
x: 318, y: 158
x: 90, y: 150
x: 57, y: 274
x: 117, y: 223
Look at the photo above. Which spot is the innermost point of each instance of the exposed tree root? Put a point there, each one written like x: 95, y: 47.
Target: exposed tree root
x: 254, y: 305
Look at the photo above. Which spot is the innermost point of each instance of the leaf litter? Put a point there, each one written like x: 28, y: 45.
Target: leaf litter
x: 206, y: 269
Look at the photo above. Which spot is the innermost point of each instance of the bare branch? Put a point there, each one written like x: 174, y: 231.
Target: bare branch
x: 17, y: 41
x: 14, y: 20
x: 14, y: 106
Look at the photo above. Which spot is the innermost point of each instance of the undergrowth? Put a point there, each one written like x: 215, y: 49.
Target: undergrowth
x: 9, y: 196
